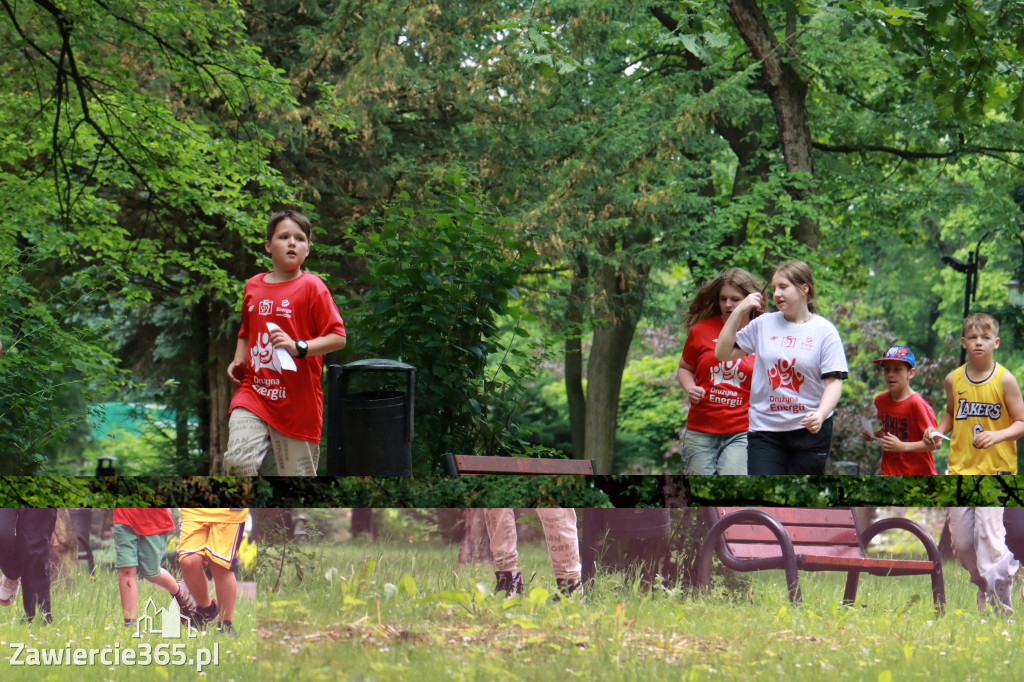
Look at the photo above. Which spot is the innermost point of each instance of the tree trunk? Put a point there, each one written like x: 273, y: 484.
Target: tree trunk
x: 475, y: 546
x: 607, y: 361
x: 788, y: 93
x: 675, y: 491
x: 221, y: 389
x: 574, y: 394
x: 362, y: 523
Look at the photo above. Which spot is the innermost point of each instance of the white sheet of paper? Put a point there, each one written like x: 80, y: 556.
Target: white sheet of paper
x: 866, y: 424
x: 942, y: 435
x: 283, y: 356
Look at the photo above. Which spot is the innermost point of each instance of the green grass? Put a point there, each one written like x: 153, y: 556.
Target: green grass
x: 356, y: 615
x: 87, y: 615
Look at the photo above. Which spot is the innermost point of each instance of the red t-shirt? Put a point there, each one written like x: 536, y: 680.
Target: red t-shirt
x: 290, y: 401
x: 907, y: 420
x: 726, y: 384
x: 145, y: 521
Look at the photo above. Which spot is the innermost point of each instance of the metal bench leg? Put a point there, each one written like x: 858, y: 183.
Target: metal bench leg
x: 852, y: 580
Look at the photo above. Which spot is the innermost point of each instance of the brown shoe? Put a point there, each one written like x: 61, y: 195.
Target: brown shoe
x: 8, y: 590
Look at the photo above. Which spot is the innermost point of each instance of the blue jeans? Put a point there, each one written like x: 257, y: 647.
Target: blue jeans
x: 714, y: 453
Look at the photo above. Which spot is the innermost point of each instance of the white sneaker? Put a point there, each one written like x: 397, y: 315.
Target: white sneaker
x: 8, y: 589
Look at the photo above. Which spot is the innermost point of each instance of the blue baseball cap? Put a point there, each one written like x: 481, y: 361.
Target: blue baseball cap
x: 901, y: 353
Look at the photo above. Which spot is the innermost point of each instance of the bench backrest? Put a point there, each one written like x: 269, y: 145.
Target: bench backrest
x: 817, y: 532
x: 478, y: 464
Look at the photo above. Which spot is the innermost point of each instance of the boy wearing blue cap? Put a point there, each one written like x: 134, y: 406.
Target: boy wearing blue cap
x: 905, y: 417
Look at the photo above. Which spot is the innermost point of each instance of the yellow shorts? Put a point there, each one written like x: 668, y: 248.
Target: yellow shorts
x: 217, y: 541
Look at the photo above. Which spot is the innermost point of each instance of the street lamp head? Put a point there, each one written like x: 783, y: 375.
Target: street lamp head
x: 1016, y: 290
x: 956, y: 264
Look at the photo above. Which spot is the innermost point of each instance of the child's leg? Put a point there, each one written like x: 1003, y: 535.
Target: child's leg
x: 501, y: 530
x: 35, y: 527
x: 227, y: 590
x: 128, y: 586
x: 166, y: 581
x: 995, y: 562
x: 292, y: 457
x: 8, y: 543
x: 248, y: 443
x: 195, y: 578
x: 563, y: 542
x: 191, y: 556
x: 126, y: 559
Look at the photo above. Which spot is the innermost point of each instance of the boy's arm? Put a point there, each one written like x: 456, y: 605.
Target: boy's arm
x: 688, y: 381
x: 237, y: 366
x: 812, y: 421
x: 1015, y: 408
x: 946, y: 420
x: 321, y: 345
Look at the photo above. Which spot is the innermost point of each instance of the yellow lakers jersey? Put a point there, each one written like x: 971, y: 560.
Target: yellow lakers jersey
x: 979, y: 406
x: 237, y: 515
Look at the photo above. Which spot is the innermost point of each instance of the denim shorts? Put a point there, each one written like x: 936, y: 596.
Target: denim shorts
x: 714, y: 453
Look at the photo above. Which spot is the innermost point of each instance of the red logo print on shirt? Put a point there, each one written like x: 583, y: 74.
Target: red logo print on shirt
x: 784, y: 375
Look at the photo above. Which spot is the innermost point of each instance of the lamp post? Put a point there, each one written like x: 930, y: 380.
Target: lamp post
x: 1015, y: 288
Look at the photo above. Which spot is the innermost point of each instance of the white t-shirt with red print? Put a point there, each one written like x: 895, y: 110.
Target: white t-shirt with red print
x: 726, y: 384
x: 789, y: 359
x: 290, y: 401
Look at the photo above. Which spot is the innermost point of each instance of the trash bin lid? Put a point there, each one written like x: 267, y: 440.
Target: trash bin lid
x: 379, y: 364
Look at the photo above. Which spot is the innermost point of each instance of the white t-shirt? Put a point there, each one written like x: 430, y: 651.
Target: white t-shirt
x: 789, y: 359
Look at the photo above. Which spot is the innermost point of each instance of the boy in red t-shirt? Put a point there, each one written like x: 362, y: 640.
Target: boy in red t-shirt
x: 140, y: 538
x: 289, y: 320
x: 905, y: 416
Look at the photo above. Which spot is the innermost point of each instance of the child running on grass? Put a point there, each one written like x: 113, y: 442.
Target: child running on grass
x: 289, y: 320
x: 984, y: 408
x: 140, y: 538
x: 25, y: 559
x: 905, y: 416
x: 212, y: 537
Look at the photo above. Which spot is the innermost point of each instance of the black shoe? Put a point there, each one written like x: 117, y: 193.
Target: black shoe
x: 227, y: 629
x: 205, y: 616
x: 508, y: 582
x: 569, y: 586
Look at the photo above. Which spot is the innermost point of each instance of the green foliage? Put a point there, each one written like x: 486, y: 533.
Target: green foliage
x: 650, y: 413
x: 441, y: 271
x: 51, y: 365
x: 799, y: 491
x: 437, y: 491
x: 439, y: 620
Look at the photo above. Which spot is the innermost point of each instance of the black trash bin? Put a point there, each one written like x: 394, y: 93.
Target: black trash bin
x: 369, y: 433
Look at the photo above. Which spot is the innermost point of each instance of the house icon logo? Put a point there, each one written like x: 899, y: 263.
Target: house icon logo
x: 167, y: 623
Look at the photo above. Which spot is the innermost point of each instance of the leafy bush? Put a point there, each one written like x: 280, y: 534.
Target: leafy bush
x: 441, y: 271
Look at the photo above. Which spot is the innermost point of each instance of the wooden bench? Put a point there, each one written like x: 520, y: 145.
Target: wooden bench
x: 820, y: 539
x: 457, y: 465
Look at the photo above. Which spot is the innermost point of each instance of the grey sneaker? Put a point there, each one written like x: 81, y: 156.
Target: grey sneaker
x: 508, y: 582
x: 186, y: 602
x: 8, y: 589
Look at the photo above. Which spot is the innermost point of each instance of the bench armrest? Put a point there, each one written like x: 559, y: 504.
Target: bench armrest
x: 715, y: 541
x: 913, y: 527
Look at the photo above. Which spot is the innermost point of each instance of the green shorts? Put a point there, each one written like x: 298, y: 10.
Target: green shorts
x: 144, y: 551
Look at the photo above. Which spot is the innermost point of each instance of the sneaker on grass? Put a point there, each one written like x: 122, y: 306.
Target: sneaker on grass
x: 205, y: 616
x: 8, y: 589
x: 186, y: 602
x: 508, y: 582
